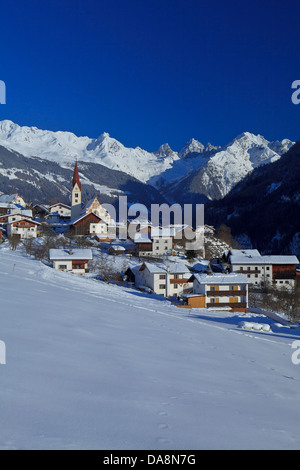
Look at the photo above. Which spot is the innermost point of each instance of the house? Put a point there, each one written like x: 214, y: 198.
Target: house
x: 23, y: 227
x: 95, y: 207
x: 90, y: 224
x: 276, y: 270
x: 117, y: 250
x: 143, y: 244
x: 63, y: 210
x: 162, y: 240
x: 17, y: 215
x: 225, y: 291
x: 40, y: 211
x: 167, y: 280
x: 12, y: 199
x: 6, y: 208
x: 74, y: 260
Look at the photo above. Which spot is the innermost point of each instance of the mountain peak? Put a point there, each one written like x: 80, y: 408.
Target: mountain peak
x: 192, y: 146
x: 164, y: 151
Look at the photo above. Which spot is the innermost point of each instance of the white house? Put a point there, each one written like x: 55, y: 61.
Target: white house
x: 23, y: 227
x: 63, y: 210
x: 74, y: 260
x: 166, y: 280
x: 96, y: 207
x: 276, y: 270
x: 162, y: 240
x: 12, y: 199
x: 219, y: 290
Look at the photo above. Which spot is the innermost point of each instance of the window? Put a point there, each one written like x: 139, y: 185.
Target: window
x: 76, y: 194
x: 62, y: 266
x: 268, y: 268
x: 175, y: 286
x: 162, y: 286
x: 241, y: 268
x: 162, y: 276
x: 249, y: 268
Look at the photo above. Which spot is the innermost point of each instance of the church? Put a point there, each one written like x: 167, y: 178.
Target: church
x: 90, y: 218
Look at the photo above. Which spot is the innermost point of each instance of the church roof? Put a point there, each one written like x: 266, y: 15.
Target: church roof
x: 76, y: 177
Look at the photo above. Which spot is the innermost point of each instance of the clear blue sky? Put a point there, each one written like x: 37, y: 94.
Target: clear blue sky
x: 152, y: 71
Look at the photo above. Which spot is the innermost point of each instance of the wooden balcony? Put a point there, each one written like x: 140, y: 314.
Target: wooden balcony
x: 228, y: 293
x: 227, y: 304
x: 249, y: 271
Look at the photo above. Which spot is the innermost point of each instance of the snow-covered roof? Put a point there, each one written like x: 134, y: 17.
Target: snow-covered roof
x: 8, y: 198
x: 80, y: 253
x: 232, y: 278
x: 265, y: 259
x: 172, y: 268
x: 59, y: 204
x: 7, y: 205
x: 250, y: 252
x: 117, y: 248
x: 200, y: 266
x: 86, y: 214
x: 141, y: 238
x: 26, y: 220
x: 22, y: 212
x: 162, y: 232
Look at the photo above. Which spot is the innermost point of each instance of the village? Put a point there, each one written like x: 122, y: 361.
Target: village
x: 82, y: 238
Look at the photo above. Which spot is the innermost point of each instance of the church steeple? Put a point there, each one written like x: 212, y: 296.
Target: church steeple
x: 76, y: 194
x: 76, y: 177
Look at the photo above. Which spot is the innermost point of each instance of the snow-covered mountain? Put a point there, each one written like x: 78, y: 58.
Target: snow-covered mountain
x: 64, y: 147
x: 199, y: 169
x: 217, y: 171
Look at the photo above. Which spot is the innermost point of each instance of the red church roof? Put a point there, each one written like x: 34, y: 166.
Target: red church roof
x: 76, y: 177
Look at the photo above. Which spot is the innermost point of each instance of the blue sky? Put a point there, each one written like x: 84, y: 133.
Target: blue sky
x: 150, y: 72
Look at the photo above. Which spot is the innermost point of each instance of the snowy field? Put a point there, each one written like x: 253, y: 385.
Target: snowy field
x: 97, y: 366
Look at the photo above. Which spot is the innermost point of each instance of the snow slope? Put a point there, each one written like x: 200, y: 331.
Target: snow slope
x: 96, y: 366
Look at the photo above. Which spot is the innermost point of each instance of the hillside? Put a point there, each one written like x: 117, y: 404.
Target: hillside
x: 96, y: 366
x: 44, y: 181
x: 263, y: 210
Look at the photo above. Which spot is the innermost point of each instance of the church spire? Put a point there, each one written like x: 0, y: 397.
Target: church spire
x: 76, y: 178
x: 76, y: 194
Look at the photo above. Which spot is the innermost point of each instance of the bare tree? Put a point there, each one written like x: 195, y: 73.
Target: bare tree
x: 14, y: 240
